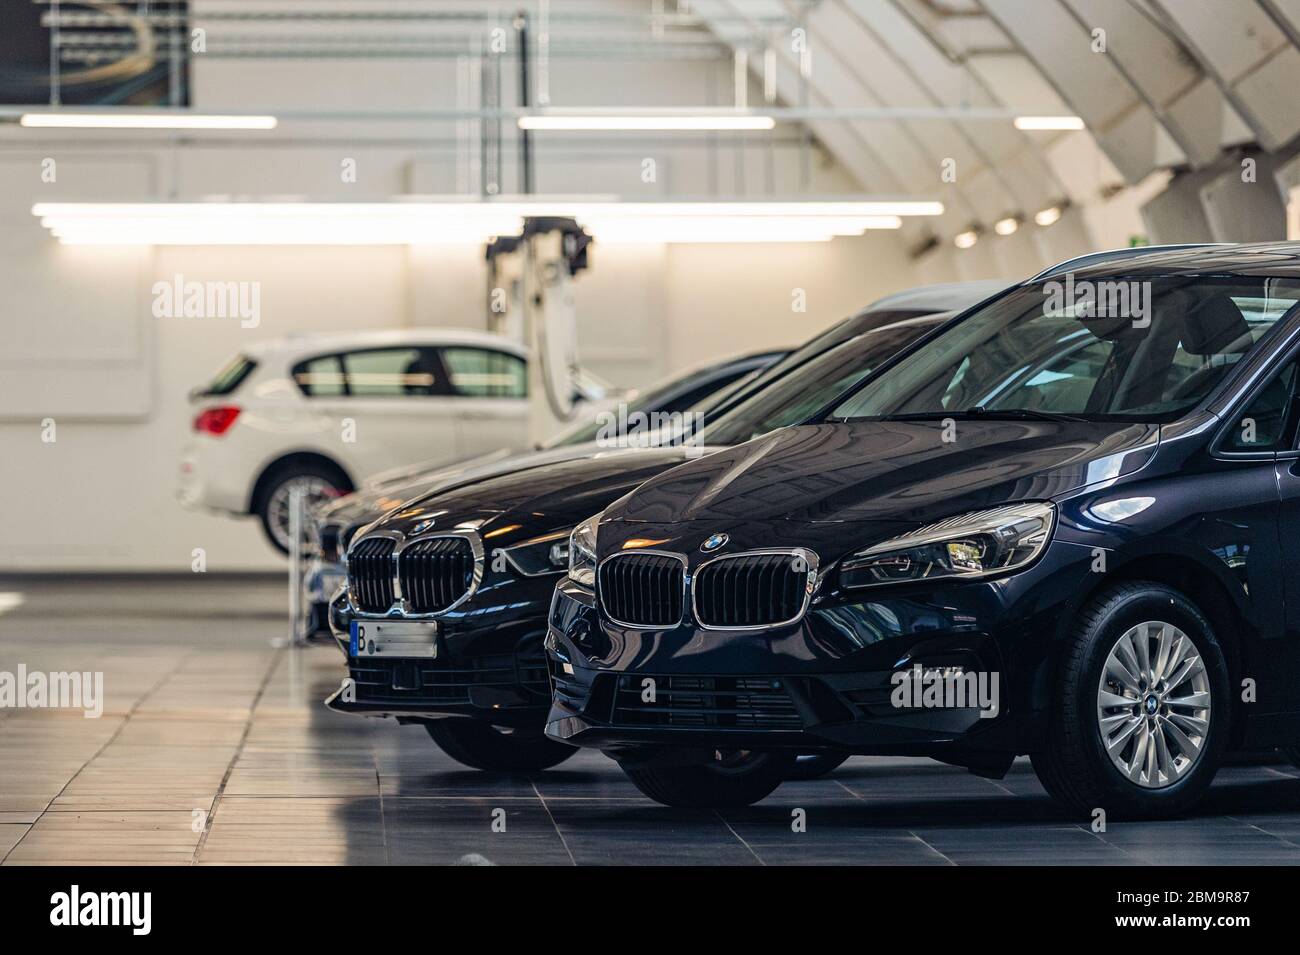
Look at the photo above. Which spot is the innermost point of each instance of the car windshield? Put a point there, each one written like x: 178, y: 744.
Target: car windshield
x: 806, y: 390
x: 1142, y: 349
x: 839, y: 332
x: 658, y: 397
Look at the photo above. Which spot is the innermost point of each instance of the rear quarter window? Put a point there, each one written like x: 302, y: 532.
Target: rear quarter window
x: 231, y: 376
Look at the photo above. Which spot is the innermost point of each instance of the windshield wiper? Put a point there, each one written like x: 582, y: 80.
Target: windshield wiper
x: 979, y: 411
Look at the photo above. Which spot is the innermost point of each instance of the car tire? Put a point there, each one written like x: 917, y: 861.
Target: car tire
x: 1165, y: 770
x: 481, y: 745
x: 710, y: 785
x: 816, y: 765
x: 321, y: 480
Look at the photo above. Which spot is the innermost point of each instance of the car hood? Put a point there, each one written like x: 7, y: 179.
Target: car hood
x: 537, y: 499
x: 372, y: 502
x: 898, y: 473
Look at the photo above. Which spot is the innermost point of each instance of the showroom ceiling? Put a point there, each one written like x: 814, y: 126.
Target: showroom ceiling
x: 910, y: 97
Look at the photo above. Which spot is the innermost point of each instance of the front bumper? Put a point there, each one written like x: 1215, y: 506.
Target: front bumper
x: 828, y: 682
x: 490, y: 663
x: 206, y: 479
x: 323, y: 581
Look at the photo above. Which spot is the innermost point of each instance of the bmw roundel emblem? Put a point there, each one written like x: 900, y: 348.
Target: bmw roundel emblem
x: 421, y: 527
x: 714, y: 542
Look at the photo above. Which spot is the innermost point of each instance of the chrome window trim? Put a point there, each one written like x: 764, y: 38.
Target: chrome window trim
x: 400, y: 607
x: 686, y: 582
x: 810, y: 585
x: 1284, y: 354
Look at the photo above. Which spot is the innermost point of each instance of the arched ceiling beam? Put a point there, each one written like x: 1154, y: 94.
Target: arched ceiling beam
x: 1160, y: 69
x: 1250, y: 55
x: 1000, y: 149
x: 1121, y: 121
x: 730, y: 25
x: 845, y: 35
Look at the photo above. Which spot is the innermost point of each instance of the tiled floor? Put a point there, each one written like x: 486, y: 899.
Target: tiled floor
x: 213, y: 748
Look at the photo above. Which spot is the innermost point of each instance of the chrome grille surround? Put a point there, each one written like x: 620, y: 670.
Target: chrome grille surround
x: 401, y: 605
x: 690, y: 591
x: 810, y: 571
x: 601, y: 575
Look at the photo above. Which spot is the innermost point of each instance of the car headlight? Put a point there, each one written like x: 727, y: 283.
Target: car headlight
x: 971, y: 545
x: 548, y: 554
x: 582, y: 552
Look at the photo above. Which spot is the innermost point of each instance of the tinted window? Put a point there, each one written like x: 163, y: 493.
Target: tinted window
x: 230, y: 377
x: 839, y: 333
x: 693, y: 396
x: 320, y: 377
x: 661, y: 396
x: 1268, y: 423
x: 1146, y: 349
x: 390, y: 372
x: 808, y: 389
x: 370, y: 373
x: 484, y: 373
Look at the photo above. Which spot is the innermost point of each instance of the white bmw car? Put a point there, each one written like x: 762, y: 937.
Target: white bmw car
x: 325, y: 412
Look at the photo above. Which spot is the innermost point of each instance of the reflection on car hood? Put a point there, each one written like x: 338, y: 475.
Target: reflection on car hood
x: 536, y: 500
x: 373, y: 502
x: 888, y: 471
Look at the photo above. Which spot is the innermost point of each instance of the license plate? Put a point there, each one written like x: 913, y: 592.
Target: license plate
x: 394, y: 638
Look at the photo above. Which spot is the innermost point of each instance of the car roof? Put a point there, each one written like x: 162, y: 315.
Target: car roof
x: 325, y: 342
x: 1272, y: 259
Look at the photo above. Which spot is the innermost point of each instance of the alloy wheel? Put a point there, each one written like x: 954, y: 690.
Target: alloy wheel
x: 316, y: 492
x: 1153, y: 704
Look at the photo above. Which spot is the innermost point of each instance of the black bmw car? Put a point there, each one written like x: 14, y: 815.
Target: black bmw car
x: 695, y: 390
x: 1065, y: 525
x: 445, y: 609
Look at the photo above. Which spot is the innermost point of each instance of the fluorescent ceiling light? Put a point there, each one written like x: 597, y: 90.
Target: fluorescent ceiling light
x: 665, y: 122
x: 1048, y: 216
x: 1007, y: 226
x: 964, y: 240
x: 1048, y: 122
x: 418, y: 223
x: 62, y: 119
x: 452, y: 209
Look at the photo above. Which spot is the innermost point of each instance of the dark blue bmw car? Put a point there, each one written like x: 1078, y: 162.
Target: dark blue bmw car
x: 1066, y: 524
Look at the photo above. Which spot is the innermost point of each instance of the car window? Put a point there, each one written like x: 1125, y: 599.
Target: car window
x: 661, y: 397
x: 1268, y: 422
x: 486, y: 373
x: 694, y: 396
x: 391, y: 372
x: 370, y: 373
x: 320, y: 377
x: 837, y: 334
x: 1146, y: 349
x: 808, y: 389
x: 230, y: 377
